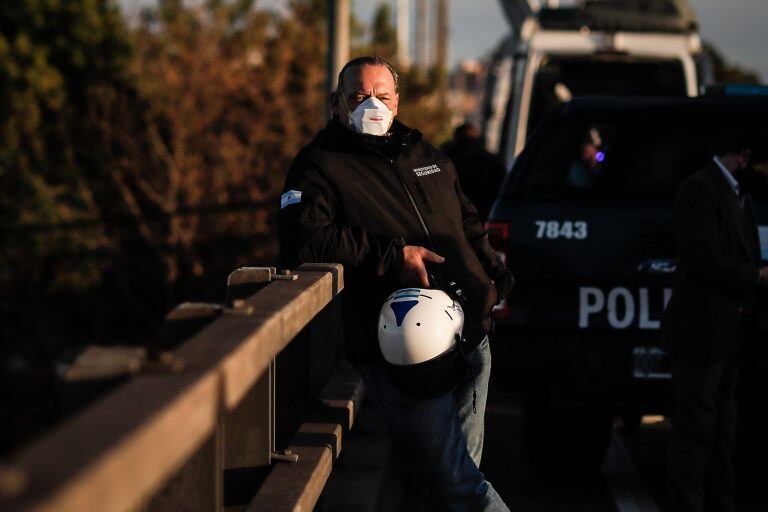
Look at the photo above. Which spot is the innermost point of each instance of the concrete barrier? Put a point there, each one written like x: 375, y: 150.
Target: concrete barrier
x: 166, y: 439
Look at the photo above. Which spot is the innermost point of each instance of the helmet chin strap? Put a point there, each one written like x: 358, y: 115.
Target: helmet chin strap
x: 465, y: 348
x: 461, y: 342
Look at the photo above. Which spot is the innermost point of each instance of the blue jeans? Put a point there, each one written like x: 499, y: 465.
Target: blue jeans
x: 442, y: 437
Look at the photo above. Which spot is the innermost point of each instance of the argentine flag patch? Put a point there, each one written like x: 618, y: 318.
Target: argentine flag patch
x: 290, y: 197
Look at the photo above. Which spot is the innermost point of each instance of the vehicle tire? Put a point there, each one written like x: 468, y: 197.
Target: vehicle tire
x: 565, y: 441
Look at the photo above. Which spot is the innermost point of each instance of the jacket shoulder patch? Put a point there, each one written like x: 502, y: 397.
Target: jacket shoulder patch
x: 290, y: 197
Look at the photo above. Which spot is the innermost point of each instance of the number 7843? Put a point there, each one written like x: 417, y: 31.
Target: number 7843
x: 553, y: 229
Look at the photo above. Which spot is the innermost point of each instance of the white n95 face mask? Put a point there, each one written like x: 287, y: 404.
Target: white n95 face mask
x: 371, y: 117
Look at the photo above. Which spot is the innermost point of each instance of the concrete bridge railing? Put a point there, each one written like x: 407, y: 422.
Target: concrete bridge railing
x: 248, y: 412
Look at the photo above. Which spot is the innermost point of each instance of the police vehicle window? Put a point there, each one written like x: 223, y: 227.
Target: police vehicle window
x: 559, y: 79
x: 638, y: 159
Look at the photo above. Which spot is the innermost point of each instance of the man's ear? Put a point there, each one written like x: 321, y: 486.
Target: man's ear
x: 334, y: 99
x: 397, y: 104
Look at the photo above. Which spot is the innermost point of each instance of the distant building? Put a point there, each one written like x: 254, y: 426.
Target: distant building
x: 467, y: 84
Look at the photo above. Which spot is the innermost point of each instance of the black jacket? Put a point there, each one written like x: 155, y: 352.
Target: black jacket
x: 718, y: 252
x: 354, y: 208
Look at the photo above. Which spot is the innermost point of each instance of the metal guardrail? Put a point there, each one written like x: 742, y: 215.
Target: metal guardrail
x: 174, y: 438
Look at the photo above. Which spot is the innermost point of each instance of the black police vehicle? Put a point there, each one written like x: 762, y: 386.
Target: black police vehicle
x: 585, y: 223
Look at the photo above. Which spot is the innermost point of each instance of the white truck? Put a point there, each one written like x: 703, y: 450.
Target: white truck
x: 594, y: 47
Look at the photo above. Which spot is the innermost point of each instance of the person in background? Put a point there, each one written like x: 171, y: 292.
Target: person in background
x: 586, y: 167
x: 480, y: 172
x: 717, y: 280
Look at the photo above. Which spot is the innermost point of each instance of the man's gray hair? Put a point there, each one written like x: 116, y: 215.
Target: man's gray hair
x: 368, y: 60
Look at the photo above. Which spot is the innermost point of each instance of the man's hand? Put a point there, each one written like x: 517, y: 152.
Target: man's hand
x: 414, y: 265
x: 763, y: 276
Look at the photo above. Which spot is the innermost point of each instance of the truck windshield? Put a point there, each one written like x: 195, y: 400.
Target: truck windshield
x: 561, y: 78
x: 638, y: 158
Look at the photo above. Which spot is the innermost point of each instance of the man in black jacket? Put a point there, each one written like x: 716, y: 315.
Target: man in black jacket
x: 719, y: 271
x: 369, y: 193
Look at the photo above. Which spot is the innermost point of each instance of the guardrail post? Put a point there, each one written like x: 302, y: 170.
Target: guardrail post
x: 249, y: 440
x: 305, y: 365
x: 326, y: 331
x: 249, y: 429
x: 198, y: 486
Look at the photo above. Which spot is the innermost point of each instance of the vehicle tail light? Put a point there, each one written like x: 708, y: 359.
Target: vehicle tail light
x: 498, y: 235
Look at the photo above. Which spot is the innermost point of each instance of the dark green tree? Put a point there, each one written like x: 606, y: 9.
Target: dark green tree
x: 383, y: 35
x: 61, y: 63
x: 726, y: 72
x: 56, y: 61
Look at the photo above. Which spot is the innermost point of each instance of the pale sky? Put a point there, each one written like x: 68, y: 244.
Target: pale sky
x: 736, y: 27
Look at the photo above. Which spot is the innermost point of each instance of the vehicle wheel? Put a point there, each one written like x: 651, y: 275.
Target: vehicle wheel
x: 565, y: 442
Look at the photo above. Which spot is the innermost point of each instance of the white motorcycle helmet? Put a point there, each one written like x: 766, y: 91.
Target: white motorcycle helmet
x: 420, y: 339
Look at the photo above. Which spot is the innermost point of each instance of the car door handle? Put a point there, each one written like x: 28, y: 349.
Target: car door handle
x: 658, y: 266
